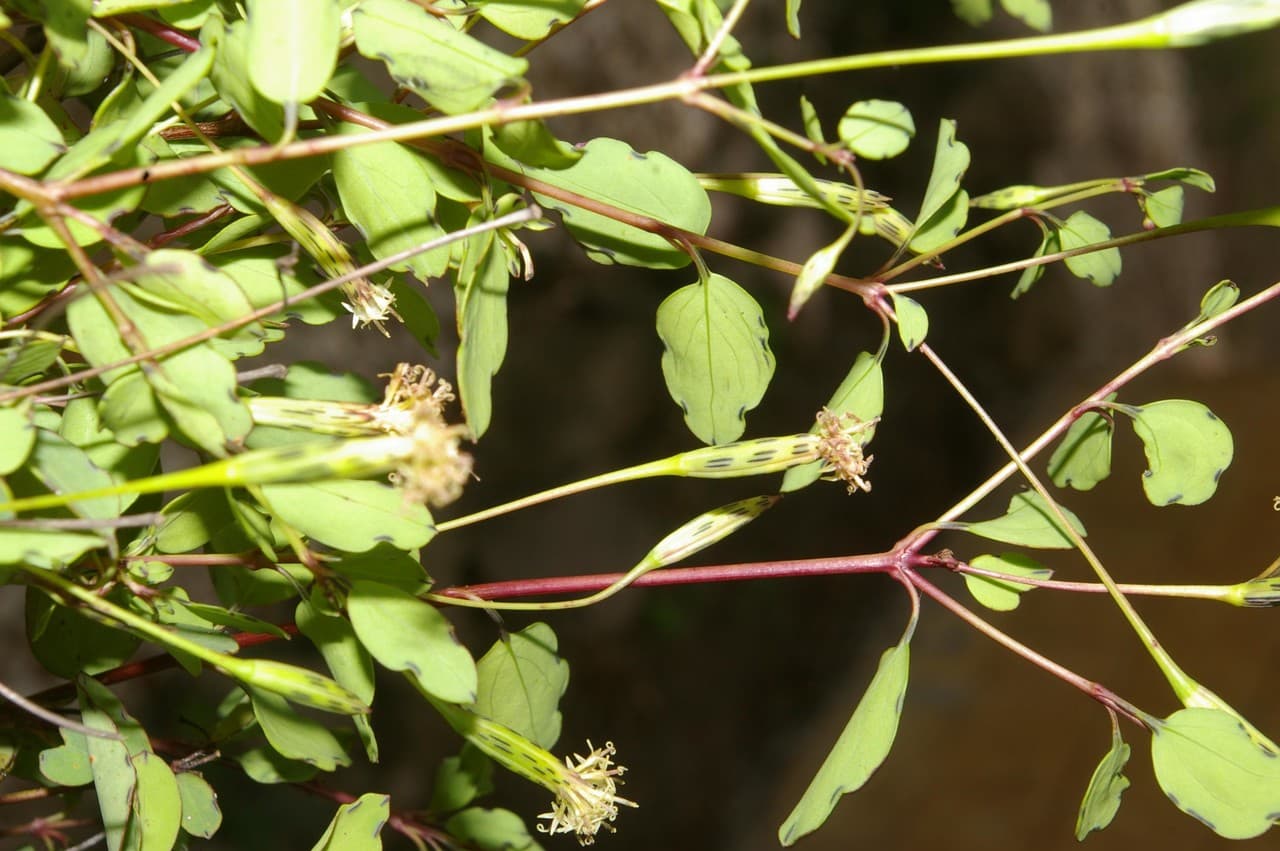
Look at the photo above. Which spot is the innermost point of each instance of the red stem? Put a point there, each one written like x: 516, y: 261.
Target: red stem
x: 164, y: 32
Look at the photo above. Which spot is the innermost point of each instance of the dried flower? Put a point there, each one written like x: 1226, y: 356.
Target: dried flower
x: 841, y: 452
x: 435, y: 470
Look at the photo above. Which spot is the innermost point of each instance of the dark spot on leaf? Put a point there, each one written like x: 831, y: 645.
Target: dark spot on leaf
x: 1146, y: 474
x: 351, y: 808
x: 412, y: 667
x: 377, y: 828
x: 684, y: 407
x: 1218, y: 474
x: 639, y: 156
x: 384, y: 539
x: 1211, y: 414
x: 1195, y: 815
x: 742, y: 412
x: 1171, y: 500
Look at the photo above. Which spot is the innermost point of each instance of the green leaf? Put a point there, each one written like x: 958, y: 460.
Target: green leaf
x: 233, y: 85
x: 238, y: 621
x: 386, y: 564
x: 1098, y: 267
x: 115, y: 777
x: 388, y: 192
x: 521, y: 681
x: 29, y: 140
x: 999, y: 594
x: 406, y: 634
x: 26, y: 358
x: 66, y: 642
x: 972, y: 12
x: 650, y: 184
x: 481, y: 294
x: 293, y: 47
x: 68, y: 764
x: 1164, y: 208
x: 861, y: 393
x: 815, y: 271
x: 201, y: 816
x: 1102, y: 797
x: 1213, y: 770
x: 913, y: 322
x: 264, y: 765
x: 296, y: 736
x: 532, y: 142
x: 1190, y: 176
x: 1049, y: 244
x: 356, y: 826
x: 876, y: 129
x: 863, y: 744
x: 461, y: 779
x: 1219, y: 298
x: 943, y: 226
x: 449, y: 69
x: 950, y: 161
x: 351, y: 515
x: 491, y: 830
x: 157, y: 802
x: 793, y: 18
x: 132, y: 414
x: 1187, y: 446
x: 1029, y: 523
x: 1036, y: 14
x: 1083, y: 457
x: 530, y: 19
x: 716, y: 358
x: 17, y: 436
x: 345, y: 657
x: 812, y: 123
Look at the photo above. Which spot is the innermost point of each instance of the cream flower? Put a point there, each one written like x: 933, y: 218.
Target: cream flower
x: 586, y: 795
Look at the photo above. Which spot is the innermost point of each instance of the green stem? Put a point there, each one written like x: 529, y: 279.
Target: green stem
x: 1263, y: 217
x: 1180, y: 682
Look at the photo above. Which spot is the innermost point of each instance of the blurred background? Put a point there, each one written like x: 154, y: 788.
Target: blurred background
x: 724, y: 700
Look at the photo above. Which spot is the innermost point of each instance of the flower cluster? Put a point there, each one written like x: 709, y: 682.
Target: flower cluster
x: 436, y: 468
x: 841, y: 451
x: 586, y: 795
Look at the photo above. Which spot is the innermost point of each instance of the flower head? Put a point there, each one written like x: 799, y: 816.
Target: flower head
x: 436, y: 468
x: 586, y: 795
x: 370, y: 304
x: 842, y: 451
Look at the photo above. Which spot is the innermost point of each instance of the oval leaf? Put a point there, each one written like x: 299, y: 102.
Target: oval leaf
x: 1213, y: 770
x: 1028, y: 522
x: 293, y: 47
x: 522, y: 679
x: 357, y: 825
x: 352, y: 515
x: 876, y: 129
x: 157, y: 803
x: 1000, y: 594
x: 913, y: 322
x: 1100, y: 268
x: 201, y: 815
x: 1187, y: 448
x: 405, y: 634
x: 716, y: 358
x: 296, y: 736
x: 950, y: 161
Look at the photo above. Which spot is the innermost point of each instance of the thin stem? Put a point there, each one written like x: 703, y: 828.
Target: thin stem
x: 1217, y: 593
x: 509, y: 220
x: 714, y: 44
x: 1094, y: 690
x: 1181, y: 683
x: 1263, y: 217
x: 53, y: 718
x: 1139, y: 35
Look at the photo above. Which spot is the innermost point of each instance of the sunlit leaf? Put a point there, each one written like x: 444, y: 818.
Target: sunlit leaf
x: 913, y: 322
x: 157, y: 802
x: 293, y: 47
x: 1187, y: 446
x: 1049, y: 244
x: 1102, y: 797
x: 522, y: 679
x: 950, y: 161
x: 1036, y: 14
x: 1000, y: 594
x: 29, y: 140
x: 371, y: 512
x: 862, y: 747
x: 356, y: 826
x: 491, y: 830
x: 450, y: 69
x: 529, y: 20
x: 815, y: 271
x: 876, y: 129
x: 1083, y: 456
x: 406, y: 634
x: 1028, y: 522
x: 1164, y: 208
x: 1213, y: 770
x: 716, y: 358
x: 1098, y: 267
x: 1190, y: 176
x: 481, y: 296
